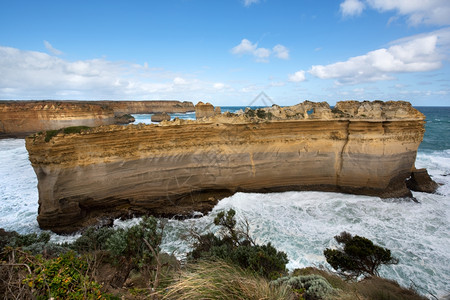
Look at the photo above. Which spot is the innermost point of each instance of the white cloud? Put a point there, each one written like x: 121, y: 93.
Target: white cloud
x: 415, y: 54
x: 432, y: 12
x: 250, y: 2
x: 281, y: 51
x: 417, y: 11
x: 179, y: 80
x: 219, y: 86
x: 297, y: 76
x: 52, y: 50
x: 351, y: 8
x: 245, y: 47
x: 261, y: 54
x: 37, y: 75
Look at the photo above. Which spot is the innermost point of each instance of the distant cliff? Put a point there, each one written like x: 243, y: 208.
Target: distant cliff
x: 21, y: 118
x: 148, y: 107
x: 182, y: 166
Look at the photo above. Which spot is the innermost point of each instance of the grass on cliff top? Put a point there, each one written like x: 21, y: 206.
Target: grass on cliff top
x: 222, y: 280
x: 49, y: 134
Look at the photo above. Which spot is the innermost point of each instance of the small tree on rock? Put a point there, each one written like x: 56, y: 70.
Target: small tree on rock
x: 359, y: 256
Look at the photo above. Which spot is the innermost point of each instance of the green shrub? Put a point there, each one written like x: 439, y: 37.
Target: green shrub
x: 75, y: 129
x: 29, y: 239
x: 49, y: 134
x: 236, y: 246
x: 92, y: 239
x: 261, y: 113
x: 129, y: 243
x: 311, y: 286
x: 359, y: 256
x: 33, y: 243
x: 63, y: 277
x: 250, y: 113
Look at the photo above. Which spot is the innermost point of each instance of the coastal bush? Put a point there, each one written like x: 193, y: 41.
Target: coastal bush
x: 261, y: 113
x: 64, y: 277
x: 49, y: 134
x: 358, y: 256
x: 250, y: 113
x: 92, y: 239
x: 309, y: 286
x: 370, y: 288
x: 33, y: 243
x: 236, y: 246
x: 75, y: 129
x: 221, y: 280
x: 130, y: 243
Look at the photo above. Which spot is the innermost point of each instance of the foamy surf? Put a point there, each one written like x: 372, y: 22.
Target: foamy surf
x: 300, y: 223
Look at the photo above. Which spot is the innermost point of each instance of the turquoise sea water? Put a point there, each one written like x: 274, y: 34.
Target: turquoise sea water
x: 300, y: 223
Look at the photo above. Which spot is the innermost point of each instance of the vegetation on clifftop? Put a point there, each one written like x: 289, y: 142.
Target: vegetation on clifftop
x: 49, y: 134
x: 107, y: 263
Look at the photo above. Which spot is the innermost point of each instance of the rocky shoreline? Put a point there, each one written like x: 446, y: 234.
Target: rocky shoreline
x: 181, y: 166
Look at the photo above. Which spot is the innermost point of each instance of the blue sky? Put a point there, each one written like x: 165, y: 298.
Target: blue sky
x: 226, y: 51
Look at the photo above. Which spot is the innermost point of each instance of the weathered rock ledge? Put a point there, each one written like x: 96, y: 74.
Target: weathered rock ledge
x: 22, y: 118
x: 181, y: 166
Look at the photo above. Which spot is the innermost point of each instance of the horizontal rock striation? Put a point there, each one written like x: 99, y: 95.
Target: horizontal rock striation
x: 181, y: 166
x: 149, y: 107
x: 21, y: 118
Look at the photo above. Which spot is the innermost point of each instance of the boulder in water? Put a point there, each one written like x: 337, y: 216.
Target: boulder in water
x: 159, y: 117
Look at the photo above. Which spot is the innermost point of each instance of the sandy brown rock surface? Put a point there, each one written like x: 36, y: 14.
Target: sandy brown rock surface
x: 182, y: 166
x: 21, y: 118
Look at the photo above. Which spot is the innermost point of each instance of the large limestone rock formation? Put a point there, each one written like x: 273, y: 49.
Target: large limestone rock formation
x: 159, y: 117
x: 181, y: 166
x: 203, y: 110
x: 148, y: 107
x: 21, y: 118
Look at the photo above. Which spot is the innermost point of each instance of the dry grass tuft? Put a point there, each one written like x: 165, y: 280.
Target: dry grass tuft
x: 220, y: 280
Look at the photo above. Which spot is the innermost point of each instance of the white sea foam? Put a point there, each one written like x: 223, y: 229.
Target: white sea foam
x: 300, y: 223
x: 18, y: 188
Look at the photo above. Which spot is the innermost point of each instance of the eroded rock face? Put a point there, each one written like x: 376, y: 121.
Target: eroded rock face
x: 148, y: 107
x: 182, y: 166
x: 203, y: 110
x: 21, y: 118
x: 420, y: 181
x: 159, y: 117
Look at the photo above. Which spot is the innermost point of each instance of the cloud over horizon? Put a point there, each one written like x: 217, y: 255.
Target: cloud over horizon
x: 430, y: 12
x: 414, y: 54
x: 40, y: 76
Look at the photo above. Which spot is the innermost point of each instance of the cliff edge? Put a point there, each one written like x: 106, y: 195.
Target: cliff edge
x: 181, y: 166
x: 22, y: 118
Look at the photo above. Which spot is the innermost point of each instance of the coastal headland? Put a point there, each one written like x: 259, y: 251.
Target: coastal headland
x: 182, y: 166
x: 22, y: 118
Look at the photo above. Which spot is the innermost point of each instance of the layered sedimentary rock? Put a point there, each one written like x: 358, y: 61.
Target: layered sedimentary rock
x: 21, y: 118
x: 182, y: 166
x: 205, y: 110
x: 159, y: 117
x: 420, y: 181
x: 149, y: 107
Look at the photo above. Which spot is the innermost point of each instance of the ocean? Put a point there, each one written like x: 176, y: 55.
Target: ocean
x: 302, y: 224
